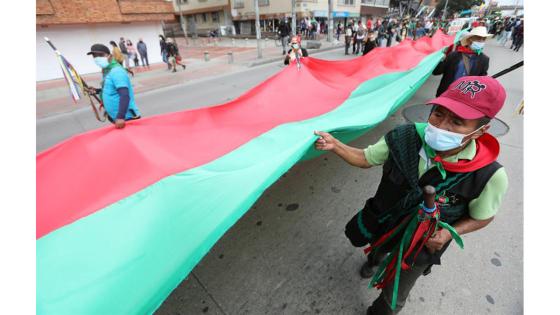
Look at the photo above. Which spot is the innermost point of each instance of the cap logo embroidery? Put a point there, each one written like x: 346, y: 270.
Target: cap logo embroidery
x: 472, y: 87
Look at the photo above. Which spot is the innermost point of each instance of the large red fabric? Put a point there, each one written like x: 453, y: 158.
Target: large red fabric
x: 93, y: 170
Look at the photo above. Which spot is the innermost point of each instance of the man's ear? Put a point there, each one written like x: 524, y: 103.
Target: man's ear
x: 480, y: 132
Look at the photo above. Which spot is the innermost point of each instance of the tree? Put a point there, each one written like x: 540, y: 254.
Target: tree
x: 456, y: 6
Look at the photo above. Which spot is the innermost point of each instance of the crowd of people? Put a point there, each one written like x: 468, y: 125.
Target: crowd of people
x: 130, y: 55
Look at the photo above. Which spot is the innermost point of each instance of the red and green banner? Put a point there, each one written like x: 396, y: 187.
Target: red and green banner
x: 123, y: 216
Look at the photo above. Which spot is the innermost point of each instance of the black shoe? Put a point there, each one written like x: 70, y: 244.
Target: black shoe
x: 174, y: 70
x: 184, y: 67
x: 366, y: 271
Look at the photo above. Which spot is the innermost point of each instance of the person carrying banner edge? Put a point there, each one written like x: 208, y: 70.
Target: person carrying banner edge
x: 116, y: 89
x: 453, y: 152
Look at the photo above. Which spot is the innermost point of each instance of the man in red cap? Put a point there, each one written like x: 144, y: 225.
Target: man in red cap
x: 452, y: 152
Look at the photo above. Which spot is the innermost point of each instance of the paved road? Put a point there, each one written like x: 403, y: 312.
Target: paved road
x: 195, y: 94
x: 275, y: 261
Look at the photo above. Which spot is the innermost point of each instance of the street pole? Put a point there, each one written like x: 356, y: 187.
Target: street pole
x: 258, y: 27
x: 294, y: 31
x: 444, y: 10
x: 184, y: 27
x: 331, y: 22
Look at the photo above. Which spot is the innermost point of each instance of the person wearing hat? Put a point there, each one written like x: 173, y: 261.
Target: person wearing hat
x: 116, y: 89
x: 468, y: 59
x: 453, y: 152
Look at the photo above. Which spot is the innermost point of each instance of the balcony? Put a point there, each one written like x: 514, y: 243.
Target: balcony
x: 376, y: 3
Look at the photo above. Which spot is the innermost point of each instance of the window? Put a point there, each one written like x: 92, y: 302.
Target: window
x: 238, y: 4
x: 203, y: 17
x: 182, y: 2
x: 264, y: 3
x: 346, y: 2
x: 215, y: 17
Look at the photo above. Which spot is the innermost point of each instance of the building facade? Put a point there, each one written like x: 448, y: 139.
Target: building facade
x: 74, y: 25
x: 374, y: 8
x: 271, y: 12
x: 201, y: 16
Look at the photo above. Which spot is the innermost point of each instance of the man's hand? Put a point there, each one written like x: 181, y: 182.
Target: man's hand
x: 292, y: 56
x: 119, y: 123
x: 326, y: 142
x: 436, y: 242
x: 91, y: 90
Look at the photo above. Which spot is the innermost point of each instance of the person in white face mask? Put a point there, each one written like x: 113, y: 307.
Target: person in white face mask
x: 452, y: 152
x: 468, y: 59
x: 296, y: 51
x: 116, y: 89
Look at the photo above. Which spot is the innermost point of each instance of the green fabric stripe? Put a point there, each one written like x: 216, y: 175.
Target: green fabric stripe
x: 128, y: 257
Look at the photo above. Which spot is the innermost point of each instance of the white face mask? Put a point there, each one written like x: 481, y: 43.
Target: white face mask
x: 443, y: 140
x: 477, y: 46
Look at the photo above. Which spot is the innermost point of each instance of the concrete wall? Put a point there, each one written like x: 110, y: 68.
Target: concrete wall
x: 74, y: 41
x: 196, y: 4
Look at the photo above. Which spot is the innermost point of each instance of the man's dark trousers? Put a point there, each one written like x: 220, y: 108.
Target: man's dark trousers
x: 382, y: 305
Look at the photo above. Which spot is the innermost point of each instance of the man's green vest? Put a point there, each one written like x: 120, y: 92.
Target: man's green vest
x: 400, y: 190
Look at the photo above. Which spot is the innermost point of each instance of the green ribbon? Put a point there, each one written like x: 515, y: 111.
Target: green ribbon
x: 403, y: 245
x: 456, y: 237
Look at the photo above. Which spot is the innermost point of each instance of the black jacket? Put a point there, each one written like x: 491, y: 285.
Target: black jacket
x: 448, y: 67
x: 369, y: 46
x: 287, y: 59
x: 284, y: 29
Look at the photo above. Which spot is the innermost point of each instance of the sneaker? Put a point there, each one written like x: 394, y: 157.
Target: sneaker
x: 184, y: 67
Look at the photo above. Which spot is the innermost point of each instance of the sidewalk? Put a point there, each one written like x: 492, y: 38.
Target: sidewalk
x: 53, y: 96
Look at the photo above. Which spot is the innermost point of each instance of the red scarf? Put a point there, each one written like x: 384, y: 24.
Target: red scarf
x: 465, y: 50
x: 487, y: 151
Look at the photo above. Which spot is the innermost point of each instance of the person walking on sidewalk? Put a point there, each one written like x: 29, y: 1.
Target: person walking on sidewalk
x: 132, y: 53
x: 163, y: 51
x: 509, y: 24
x: 339, y: 30
x: 284, y: 32
x: 143, y: 51
x: 360, y: 36
x: 518, y: 37
x: 173, y: 55
x: 468, y: 59
x: 348, y: 38
x: 116, y: 53
x: 454, y: 152
x: 124, y: 51
x: 303, y: 27
x: 116, y: 89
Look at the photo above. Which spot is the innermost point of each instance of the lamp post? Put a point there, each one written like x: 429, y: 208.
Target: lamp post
x: 294, y: 31
x: 184, y: 27
x: 444, y: 10
x: 258, y: 28
x: 331, y: 22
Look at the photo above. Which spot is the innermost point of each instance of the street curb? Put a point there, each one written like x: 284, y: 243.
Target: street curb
x: 275, y: 59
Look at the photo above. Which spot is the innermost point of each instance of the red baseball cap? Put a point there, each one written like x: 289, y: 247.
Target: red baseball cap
x: 473, y: 97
